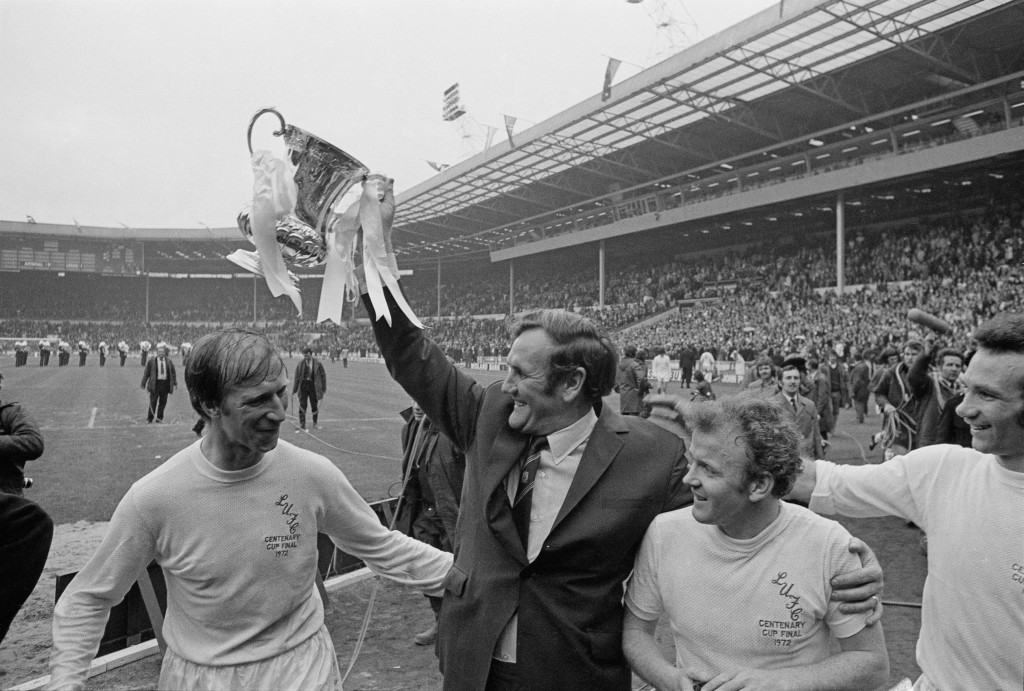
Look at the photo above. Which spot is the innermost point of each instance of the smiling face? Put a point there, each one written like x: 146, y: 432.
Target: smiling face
x: 717, y: 461
x: 537, y: 409
x: 994, y: 407
x: 248, y: 420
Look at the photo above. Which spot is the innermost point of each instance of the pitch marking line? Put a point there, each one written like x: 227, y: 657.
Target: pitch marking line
x: 92, y: 418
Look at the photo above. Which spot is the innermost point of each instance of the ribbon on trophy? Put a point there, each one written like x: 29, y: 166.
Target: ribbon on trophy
x: 274, y: 195
x: 373, y: 213
x: 293, y: 222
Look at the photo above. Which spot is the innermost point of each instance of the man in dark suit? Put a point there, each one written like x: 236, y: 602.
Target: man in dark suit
x: 311, y: 384
x: 803, y: 411
x: 542, y: 609
x: 160, y: 379
x: 558, y: 493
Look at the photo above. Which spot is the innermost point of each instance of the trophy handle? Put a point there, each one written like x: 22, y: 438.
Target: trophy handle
x: 257, y: 117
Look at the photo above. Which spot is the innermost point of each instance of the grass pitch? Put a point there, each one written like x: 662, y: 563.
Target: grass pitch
x: 98, y: 443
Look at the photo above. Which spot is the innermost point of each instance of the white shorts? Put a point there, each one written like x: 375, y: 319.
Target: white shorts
x: 311, y: 665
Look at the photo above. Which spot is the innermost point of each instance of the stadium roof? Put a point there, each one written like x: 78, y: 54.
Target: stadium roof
x: 773, y: 80
x: 803, y: 74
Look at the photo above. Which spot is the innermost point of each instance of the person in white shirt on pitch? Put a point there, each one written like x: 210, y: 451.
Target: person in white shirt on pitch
x: 233, y: 521
x: 969, y: 502
x: 661, y: 365
x: 745, y: 579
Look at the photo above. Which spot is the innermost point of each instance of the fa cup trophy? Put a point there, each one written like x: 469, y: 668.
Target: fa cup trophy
x: 294, y: 222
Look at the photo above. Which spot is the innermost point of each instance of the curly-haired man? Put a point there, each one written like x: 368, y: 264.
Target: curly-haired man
x: 744, y: 578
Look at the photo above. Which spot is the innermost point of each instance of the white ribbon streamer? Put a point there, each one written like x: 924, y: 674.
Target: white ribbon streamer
x: 376, y: 216
x: 340, y: 283
x: 274, y: 195
x: 373, y: 216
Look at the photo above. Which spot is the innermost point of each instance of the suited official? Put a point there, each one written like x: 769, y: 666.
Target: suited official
x: 803, y: 410
x: 311, y: 385
x: 544, y: 612
x: 160, y: 379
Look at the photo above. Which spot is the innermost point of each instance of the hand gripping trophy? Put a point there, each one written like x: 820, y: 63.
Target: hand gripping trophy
x: 294, y: 221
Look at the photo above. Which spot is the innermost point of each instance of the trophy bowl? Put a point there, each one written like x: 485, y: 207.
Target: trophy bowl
x: 323, y: 172
x: 300, y: 245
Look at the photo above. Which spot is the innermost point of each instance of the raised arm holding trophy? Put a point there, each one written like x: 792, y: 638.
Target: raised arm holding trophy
x: 295, y: 221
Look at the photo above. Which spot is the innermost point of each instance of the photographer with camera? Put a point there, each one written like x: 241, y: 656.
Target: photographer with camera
x: 25, y: 529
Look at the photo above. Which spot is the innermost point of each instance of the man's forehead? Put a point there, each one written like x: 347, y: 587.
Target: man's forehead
x: 996, y: 371
x: 718, y: 447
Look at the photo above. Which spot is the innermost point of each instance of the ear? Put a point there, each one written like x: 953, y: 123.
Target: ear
x: 761, y: 488
x: 572, y: 387
x: 212, y: 411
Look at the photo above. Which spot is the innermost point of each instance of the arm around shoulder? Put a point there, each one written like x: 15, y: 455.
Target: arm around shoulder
x: 645, y: 657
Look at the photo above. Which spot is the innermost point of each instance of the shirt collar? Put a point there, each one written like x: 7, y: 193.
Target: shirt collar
x: 566, y: 440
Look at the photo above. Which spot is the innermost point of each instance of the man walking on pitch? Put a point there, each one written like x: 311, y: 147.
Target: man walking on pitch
x: 160, y: 379
x: 311, y: 384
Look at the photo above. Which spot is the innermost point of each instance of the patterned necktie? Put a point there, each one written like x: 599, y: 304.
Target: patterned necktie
x: 793, y: 401
x: 524, y: 492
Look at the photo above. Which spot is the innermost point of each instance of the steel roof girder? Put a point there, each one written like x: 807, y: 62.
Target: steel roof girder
x: 586, y: 166
x: 818, y: 83
x: 585, y: 194
x: 888, y: 28
x: 705, y: 103
x: 601, y: 153
x: 666, y: 136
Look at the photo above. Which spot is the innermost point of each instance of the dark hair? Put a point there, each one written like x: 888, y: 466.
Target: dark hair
x: 659, y: 351
x: 629, y: 351
x: 762, y: 361
x: 770, y: 435
x: 948, y: 352
x: 698, y: 376
x: 307, y: 349
x: 227, y: 358
x: 1003, y: 333
x: 578, y: 343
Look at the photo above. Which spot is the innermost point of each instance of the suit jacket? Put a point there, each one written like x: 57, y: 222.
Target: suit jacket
x: 569, y: 598
x: 149, y: 374
x: 806, y: 417
x: 319, y: 377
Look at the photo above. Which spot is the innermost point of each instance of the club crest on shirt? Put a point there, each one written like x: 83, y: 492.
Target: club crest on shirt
x: 281, y: 544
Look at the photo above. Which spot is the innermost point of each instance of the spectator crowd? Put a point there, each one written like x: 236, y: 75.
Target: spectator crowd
x: 737, y: 303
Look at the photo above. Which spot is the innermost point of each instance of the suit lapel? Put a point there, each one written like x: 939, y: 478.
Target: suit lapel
x: 506, y: 450
x: 602, y: 447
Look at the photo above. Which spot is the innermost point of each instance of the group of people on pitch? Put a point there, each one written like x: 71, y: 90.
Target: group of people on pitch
x: 565, y: 502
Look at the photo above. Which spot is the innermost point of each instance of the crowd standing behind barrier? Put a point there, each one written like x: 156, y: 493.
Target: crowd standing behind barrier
x: 747, y: 301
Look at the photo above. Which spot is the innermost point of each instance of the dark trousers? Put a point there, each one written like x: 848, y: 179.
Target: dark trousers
x: 157, y: 402
x: 124, y: 356
x: 81, y: 359
x: 44, y: 358
x: 143, y: 358
x: 103, y: 359
x: 25, y: 535
x: 307, y: 394
x: 503, y: 677
x: 685, y: 377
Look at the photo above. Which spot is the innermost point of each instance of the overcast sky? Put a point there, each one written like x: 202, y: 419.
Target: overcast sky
x: 135, y: 111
